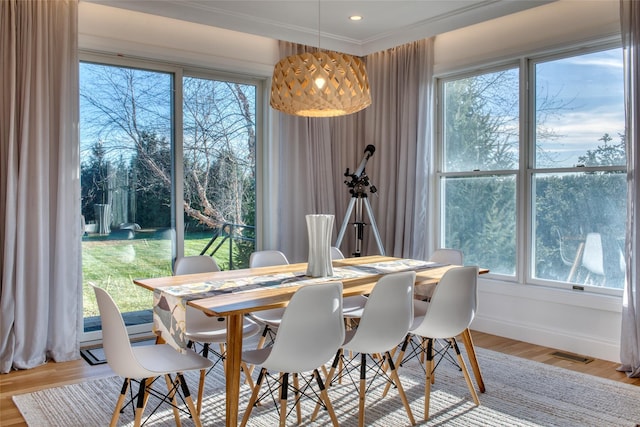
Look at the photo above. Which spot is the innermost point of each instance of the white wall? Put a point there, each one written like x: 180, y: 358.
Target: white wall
x: 568, y: 320
x: 580, y: 323
x: 139, y: 35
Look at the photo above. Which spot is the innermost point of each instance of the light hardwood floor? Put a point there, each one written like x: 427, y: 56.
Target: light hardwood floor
x: 56, y: 374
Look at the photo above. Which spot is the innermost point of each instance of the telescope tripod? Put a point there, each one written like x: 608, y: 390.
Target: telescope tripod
x: 358, y: 199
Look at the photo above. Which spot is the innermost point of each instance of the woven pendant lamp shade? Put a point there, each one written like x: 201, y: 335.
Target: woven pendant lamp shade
x: 320, y: 84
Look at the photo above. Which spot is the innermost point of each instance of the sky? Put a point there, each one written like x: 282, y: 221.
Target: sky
x: 590, y: 88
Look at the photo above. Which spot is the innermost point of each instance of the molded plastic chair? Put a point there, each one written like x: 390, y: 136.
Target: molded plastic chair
x: 206, y: 330
x: 144, y: 363
x: 311, y: 331
x: 269, y: 318
x: 442, y: 256
x: 593, y: 258
x: 195, y: 264
x: 447, y: 256
x: 451, y: 311
x: 351, y: 306
x: 385, y: 322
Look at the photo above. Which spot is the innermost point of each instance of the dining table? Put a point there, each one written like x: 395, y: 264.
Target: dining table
x: 235, y: 293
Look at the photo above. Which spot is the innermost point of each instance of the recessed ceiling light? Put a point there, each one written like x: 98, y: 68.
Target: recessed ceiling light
x: 355, y: 18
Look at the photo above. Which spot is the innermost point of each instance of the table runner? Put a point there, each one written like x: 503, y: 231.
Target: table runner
x: 169, y: 303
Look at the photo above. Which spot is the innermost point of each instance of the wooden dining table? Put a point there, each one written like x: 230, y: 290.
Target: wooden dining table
x: 235, y: 306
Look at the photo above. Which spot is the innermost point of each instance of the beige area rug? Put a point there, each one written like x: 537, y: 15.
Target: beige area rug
x: 519, y: 393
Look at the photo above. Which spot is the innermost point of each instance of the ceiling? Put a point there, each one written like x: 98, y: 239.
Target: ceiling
x: 385, y: 24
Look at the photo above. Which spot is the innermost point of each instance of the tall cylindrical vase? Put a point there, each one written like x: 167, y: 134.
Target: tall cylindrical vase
x: 319, y: 228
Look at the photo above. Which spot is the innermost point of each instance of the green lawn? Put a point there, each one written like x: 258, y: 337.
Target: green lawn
x: 114, y: 264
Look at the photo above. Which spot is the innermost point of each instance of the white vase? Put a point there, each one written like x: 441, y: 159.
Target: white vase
x: 319, y: 228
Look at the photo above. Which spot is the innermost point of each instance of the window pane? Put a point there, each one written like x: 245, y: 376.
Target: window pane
x: 125, y: 141
x: 580, y: 228
x: 480, y: 220
x: 579, y: 108
x: 219, y: 170
x: 481, y: 129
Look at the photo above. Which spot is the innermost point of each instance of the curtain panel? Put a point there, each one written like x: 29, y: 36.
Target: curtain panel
x: 630, y: 331
x: 40, y: 232
x: 315, y: 153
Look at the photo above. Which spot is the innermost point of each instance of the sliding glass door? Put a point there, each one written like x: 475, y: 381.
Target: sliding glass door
x: 168, y: 168
x: 126, y: 177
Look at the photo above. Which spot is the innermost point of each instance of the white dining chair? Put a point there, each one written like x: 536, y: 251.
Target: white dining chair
x: 385, y: 321
x: 351, y: 306
x: 442, y: 256
x: 311, y: 331
x: 144, y: 364
x: 195, y: 264
x: 447, y: 256
x: 451, y: 311
x: 270, y: 319
x: 207, y: 330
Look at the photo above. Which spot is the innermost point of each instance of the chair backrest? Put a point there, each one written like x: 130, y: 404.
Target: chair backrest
x: 196, y: 319
x: 267, y: 258
x: 592, y: 256
x: 195, y: 264
x: 453, y: 304
x: 115, y: 339
x: 311, y: 331
x: 447, y: 256
x: 336, y: 253
x: 387, y: 314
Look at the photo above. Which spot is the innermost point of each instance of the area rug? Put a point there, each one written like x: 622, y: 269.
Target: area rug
x: 519, y: 392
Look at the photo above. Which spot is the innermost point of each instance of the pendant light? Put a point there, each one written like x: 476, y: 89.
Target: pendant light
x: 320, y: 84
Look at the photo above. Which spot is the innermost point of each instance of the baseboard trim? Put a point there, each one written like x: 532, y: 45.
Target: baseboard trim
x: 555, y: 339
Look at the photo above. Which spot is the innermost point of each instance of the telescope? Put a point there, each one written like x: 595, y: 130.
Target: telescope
x: 359, y: 179
x: 368, y: 152
x: 357, y: 187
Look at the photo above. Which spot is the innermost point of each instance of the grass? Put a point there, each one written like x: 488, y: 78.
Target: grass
x: 114, y: 264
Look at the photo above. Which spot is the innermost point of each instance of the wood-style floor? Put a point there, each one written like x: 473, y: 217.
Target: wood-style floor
x: 56, y: 374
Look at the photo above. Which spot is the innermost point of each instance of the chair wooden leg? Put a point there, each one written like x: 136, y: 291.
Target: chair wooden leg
x: 284, y: 390
x: 296, y: 385
x: 473, y: 359
x: 465, y: 372
x: 433, y: 372
x: 172, y: 398
x: 189, y: 400
x: 325, y: 398
x: 203, y: 374
x: 123, y: 395
x: 363, y: 386
x: 140, y: 403
x: 336, y: 362
x: 427, y: 383
x: 261, y: 341
x: 403, y: 349
x: 403, y: 396
x: 223, y: 352
x: 247, y: 374
x: 253, y: 398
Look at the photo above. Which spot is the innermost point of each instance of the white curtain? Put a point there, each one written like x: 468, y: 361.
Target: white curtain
x: 630, y: 336
x: 40, y: 236
x: 315, y: 154
x: 399, y: 124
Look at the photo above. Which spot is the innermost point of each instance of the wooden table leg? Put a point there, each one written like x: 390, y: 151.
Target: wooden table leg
x: 473, y: 360
x: 234, y: 359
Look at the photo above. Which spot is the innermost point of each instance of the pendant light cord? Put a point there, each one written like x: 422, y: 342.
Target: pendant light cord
x: 318, y: 25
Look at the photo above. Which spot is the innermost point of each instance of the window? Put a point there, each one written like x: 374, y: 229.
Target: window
x: 136, y: 220
x: 219, y: 157
x: 545, y: 202
x: 480, y: 168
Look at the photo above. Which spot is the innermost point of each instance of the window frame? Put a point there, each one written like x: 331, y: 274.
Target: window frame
x: 525, y: 173
x: 178, y: 72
